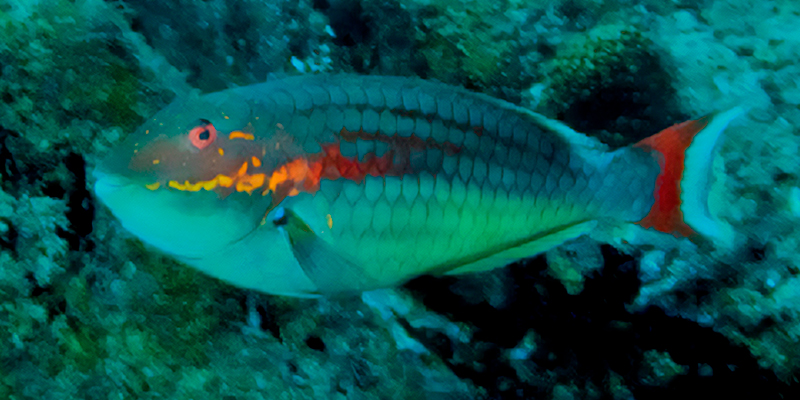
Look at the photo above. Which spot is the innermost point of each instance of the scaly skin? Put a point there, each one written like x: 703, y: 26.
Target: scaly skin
x: 400, y: 176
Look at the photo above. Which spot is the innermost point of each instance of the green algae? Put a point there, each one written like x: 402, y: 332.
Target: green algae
x: 470, y: 41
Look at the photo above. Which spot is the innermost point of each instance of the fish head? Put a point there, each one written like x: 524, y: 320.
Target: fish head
x: 190, y: 180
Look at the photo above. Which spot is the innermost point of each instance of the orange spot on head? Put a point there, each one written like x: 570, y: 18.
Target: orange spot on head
x: 241, y: 135
x: 257, y: 180
x: 248, y: 183
x: 297, y: 169
x: 294, y: 171
x: 156, y: 161
x: 256, y: 162
x: 220, y: 151
x: 278, y: 177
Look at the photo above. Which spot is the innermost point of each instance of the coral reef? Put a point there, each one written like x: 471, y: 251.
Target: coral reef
x: 89, y: 312
x: 609, y: 81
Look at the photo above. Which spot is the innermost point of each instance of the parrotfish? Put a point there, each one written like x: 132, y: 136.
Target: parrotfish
x: 337, y: 184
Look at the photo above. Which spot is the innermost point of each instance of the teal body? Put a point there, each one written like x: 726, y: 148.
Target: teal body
x: 471, y: 183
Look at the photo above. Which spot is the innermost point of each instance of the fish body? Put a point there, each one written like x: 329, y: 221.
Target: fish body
x: 332, y: 184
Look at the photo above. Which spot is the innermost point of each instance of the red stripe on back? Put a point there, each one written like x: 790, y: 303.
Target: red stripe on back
x: 331, y: 164
x: 304, y: 174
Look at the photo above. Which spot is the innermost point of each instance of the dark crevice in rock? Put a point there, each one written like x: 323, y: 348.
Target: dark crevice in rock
x: 266, y: 314
x: 315, y: 343
x: 348, y: 21
x: 8, y: 167
x: 8, y: 240
x: 267, y: 323
x: 80, y: 213
x: 588, y: 335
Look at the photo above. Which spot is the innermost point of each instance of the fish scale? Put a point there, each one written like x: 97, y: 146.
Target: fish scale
x: 376, y: 180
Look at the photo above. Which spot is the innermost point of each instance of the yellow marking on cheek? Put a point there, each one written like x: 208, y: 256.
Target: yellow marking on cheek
x: 225, y: 181
x: 147, y: 132
x: 241, y: 135
x: 153, y: 186
x: 210, y: 185
x: 156, y: 162
x: 220, y: 151
x: 194, y: 187
x: 175, y: 184
x: 256, y: 162
x: 244, y: 182
x: 330, y: 221
x: 227, y: 117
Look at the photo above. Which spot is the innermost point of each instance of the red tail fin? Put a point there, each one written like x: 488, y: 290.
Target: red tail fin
x: 685, y: 153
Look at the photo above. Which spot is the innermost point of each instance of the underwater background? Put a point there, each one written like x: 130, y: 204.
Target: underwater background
x: 88, y: 312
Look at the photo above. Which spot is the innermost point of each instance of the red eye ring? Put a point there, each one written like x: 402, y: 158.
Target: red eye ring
x: 203, y: 134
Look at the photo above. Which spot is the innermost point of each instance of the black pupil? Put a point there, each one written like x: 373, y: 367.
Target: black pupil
x: 204, y: 135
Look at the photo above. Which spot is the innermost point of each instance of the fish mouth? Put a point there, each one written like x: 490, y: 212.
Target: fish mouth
x: 106, y: 184
x: 186, y: 225
x: 109, y: 179
x: 109, y: 189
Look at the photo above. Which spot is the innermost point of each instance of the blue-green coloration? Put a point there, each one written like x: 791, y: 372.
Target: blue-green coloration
x: 376, y: 179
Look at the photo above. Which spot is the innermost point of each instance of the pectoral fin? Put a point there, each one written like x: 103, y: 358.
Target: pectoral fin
x: 328, y: 269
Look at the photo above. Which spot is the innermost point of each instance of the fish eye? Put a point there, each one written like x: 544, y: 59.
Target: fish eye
x: 202, y: 134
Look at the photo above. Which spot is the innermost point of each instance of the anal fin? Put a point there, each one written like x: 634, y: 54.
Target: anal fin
x: 528, y: 248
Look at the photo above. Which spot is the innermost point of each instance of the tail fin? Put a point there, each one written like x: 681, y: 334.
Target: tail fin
x: 686, y: 154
